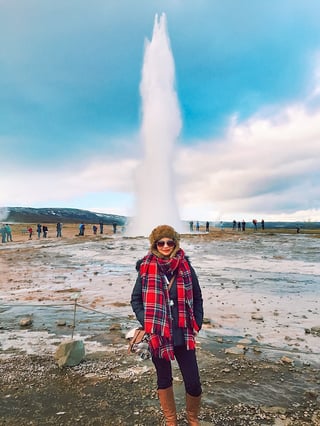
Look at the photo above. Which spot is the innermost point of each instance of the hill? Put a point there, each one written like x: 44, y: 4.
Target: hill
x: 53, y: 215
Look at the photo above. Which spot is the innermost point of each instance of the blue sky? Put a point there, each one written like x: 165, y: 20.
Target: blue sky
x: 248, y: 84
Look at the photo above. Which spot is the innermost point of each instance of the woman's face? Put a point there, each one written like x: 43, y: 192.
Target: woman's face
x: 165, y: 246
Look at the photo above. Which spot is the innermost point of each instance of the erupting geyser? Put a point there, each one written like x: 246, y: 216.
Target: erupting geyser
x: 161, y: 125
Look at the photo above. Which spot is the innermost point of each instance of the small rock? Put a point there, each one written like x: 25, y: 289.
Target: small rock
x: 273, y: 410
x: 316, y: 417
x: 315, y: 330
x: 115, y: 327
x: 286, y: 360
x: 244, y: 341
x: 24, y: 322
x: 312, y: 393
x: 256, y: 316
x: 234, y: 350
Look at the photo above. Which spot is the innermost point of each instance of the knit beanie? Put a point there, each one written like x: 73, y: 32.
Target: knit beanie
x: 163, y: 231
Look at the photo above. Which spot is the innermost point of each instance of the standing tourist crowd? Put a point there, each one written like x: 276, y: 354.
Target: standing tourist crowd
x: 42, y: 230
x: 6, y: 233
x: 241, y: 226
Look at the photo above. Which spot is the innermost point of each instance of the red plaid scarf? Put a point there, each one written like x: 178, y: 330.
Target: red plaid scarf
x: 155, y: 295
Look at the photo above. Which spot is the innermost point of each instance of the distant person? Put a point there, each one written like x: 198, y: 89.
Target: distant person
x: 39, y: 229
x: 255, y: 224
x: 81, y: 229
x: 3, y: 233
x: 191, y: 226
x: 114, y: 226
x: 207, y: 226
x: 234, y: 224
x: 197, y: 226
x: 262, y: 224
x: 8, y: 232
x: 59, y: 229
x: 239, y: 226
x: 30, y: 231
x: 44, y: 231
x: 298, y: 229
x: 243, y: 225
x: 94, y: 229
x: 101, y: 227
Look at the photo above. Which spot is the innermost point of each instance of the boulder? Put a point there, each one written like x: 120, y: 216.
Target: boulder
x: 70, y: 353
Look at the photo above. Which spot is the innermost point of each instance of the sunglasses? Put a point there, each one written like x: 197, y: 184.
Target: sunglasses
x: 169, y: 243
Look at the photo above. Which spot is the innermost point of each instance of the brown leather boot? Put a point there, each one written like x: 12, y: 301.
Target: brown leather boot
x: 193, y: 409
x: 168, y: 406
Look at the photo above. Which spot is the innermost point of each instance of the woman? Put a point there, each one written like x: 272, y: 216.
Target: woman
x: 167, y: 301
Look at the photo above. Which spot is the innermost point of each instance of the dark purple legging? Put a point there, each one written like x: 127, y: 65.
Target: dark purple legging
x: 188, y: 366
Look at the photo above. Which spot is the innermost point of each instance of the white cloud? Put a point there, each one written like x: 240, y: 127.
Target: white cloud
x: 265, y: 166
x: 30, y: 187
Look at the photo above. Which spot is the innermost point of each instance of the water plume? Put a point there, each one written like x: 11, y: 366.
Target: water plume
x: 161, y: 124
x: 4, y: 213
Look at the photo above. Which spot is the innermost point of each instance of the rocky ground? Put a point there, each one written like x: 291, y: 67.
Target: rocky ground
x: 111, y: 387
x: 114, y: 388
